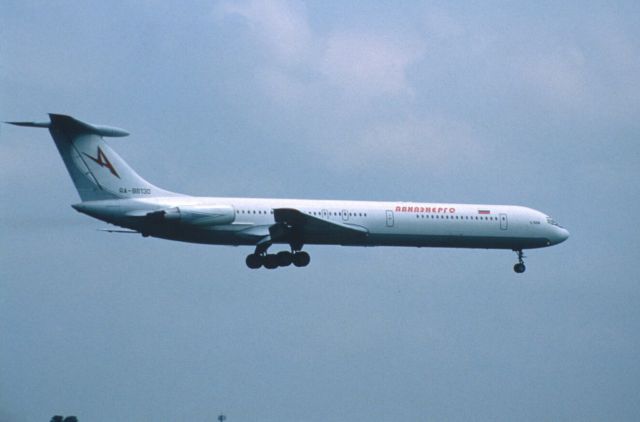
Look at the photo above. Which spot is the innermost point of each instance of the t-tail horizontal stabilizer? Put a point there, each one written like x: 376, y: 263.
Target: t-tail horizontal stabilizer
x: 72, y: 125
x: 30, y: 124
x: 97, y: 171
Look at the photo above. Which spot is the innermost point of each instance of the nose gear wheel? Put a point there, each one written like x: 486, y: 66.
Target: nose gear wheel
x: 520, y: 267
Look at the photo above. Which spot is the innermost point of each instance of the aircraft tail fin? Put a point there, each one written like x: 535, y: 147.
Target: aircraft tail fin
x: 97, y: 171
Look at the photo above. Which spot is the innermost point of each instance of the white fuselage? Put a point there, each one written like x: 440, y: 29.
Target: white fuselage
x: 418, y: 224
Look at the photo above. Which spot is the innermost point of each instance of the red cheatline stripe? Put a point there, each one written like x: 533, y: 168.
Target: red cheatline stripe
x: 484, y: 212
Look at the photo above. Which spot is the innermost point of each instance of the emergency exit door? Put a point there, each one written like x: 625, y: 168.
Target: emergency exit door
x: 389, y: 218
x: 504, y: 222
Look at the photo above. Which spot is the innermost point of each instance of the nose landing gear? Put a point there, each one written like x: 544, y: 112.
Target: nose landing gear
x: 519, y: 267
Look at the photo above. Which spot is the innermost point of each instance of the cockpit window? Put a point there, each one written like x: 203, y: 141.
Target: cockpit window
x: 553, y: 222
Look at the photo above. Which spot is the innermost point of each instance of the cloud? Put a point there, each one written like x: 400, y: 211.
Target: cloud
x: 428, y: 88
x: 414, y: 142
x: 282, y: 87
x: 368, y: 64
x: 281, y: 26
x: 355, y: 63
x: 353, y: 86
x: 440, y: 24
x: 558, y: 76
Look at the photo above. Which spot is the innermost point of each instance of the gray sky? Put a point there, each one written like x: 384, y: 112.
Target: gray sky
x: 498, y: 102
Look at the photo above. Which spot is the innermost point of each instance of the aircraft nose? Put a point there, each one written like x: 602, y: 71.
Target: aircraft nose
x: 561, y: 235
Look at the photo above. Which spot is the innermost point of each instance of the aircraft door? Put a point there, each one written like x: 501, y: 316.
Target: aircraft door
x: 504, y: 223
x: 325, y: 214
x: 389, y: 218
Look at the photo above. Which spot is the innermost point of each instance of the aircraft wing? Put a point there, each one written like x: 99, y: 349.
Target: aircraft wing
x: 312, y: 227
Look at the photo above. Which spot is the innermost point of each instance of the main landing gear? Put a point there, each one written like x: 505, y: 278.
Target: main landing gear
x: 519, y: 267
x: 281, y: 259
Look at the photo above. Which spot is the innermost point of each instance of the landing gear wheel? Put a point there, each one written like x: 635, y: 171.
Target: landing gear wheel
x: 254, y: 261
x: 271, y: 261
x: 519, y: 267
x: 301, y: 259
x: 285, y: 258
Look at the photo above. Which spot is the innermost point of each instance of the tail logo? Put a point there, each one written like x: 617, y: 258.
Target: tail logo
x: 103, y: 161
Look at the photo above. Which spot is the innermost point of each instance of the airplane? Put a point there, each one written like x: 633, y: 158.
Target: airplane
x: 113, y: 192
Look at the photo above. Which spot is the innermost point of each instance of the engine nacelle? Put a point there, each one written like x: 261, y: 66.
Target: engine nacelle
x: 201, y: 215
